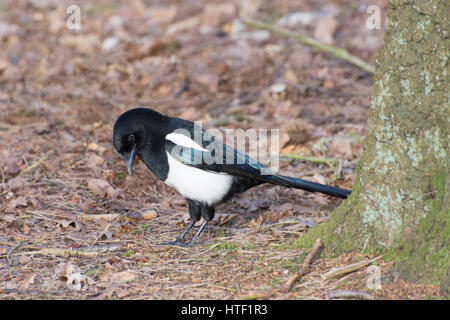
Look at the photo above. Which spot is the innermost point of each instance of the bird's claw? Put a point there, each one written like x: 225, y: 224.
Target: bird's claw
x: 177, y: 243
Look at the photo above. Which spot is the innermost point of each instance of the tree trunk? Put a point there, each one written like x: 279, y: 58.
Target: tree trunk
x: 400, y: 203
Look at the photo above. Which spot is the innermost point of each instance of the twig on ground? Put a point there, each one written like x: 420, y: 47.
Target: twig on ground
x: 31, y: 167
x: 329, y: 170
x: 106, y: 216
x: 305, y: 267
x: 102, y: 248
x: 280, y: 223
x: 22, y: 245
x: 114, y: 220
x: 10, y: 252
x: 338, y: 294
x: 337, y: 272
x: 312, y: 43
x: 328, y: 161
x: 256, y: 295
x: 230, y: 229
x: 81, y: 251
x: 3, y: 175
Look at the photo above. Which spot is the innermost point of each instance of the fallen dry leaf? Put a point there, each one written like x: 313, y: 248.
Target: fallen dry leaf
x: 299, y: 131
x: 106, y: 273
x: 95, y: 160
x: 209, y: 80
x: 78, y: 282
x: 82, y: 43
x: 25, y: 284
x: 65, y: 224
x: 317, y: 177
x: 345, y: 147
x: 63, y: 269
x: 18, y: 202
x: 102, y: 188
x: 7, y: 29
x: 149, y: 214
x: 162, y: 14
x: 325, y: 29
x: 183, y: 25
x: 290, y: 76
x: 4, y: 64
x: 256, y: 222
x: 215, y: 14
x: 122, y: 293
x: 123, y: 276
x: 95, y: 147
x: 72, y: 276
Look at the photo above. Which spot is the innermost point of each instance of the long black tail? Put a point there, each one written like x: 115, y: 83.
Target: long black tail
x: 309, y: 186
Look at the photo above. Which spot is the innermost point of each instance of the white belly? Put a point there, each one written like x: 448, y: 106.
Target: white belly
x: 195, y: 184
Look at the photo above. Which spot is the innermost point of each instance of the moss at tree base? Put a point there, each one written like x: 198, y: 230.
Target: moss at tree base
x: 422, y: 256
x: 340, y: 232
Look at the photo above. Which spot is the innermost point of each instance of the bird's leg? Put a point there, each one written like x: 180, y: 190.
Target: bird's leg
x: 195, y: 214
x: 197, y: 234
x: 207, y: 213
x: 180, y: 238
x: 185, y: 231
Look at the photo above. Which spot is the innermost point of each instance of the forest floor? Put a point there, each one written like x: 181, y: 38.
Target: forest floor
x: 75, y: 225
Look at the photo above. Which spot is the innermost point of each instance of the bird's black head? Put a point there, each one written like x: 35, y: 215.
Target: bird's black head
x: 133, y: 132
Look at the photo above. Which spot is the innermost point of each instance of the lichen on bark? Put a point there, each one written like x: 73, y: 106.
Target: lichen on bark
x: 399, y: 204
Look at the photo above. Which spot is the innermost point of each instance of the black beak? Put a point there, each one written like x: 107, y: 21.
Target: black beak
x: 128, y: 157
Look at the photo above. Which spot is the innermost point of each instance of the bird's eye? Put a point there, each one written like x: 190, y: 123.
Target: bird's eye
x: 130, y: 139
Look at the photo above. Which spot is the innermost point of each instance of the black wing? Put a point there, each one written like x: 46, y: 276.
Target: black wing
x: 221, y: 158
x: 224, y: 159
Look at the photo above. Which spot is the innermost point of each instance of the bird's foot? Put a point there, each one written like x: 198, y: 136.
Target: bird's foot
x: 172, y: 243
x: 177, y: 243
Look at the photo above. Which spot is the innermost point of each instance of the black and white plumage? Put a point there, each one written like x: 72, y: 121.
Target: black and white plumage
x: 167, y: 148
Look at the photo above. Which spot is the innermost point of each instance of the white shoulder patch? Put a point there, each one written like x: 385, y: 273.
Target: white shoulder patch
x: 185, y: 141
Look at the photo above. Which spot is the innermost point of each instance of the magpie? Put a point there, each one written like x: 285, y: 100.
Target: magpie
x: 197, y: 165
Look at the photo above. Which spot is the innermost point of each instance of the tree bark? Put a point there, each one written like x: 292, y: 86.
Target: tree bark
x: 400, y: 203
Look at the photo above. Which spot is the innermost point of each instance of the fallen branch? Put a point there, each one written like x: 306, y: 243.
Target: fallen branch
x: 312, y: 43
x: 335, y: 164
x: 331, y: 162
x: 3, y: 175
x: 305, y: 267
x: 13, y: 244
x: 105, y: 216
x: 31, y: 167
x: 257, y: 295
x: 280, y: 223
x: 338, y: 294
x: 81, y: 251
x: 111, y: 223
x: 102, y: 248
x: 337, y: 272
x: 10, y: 252
x: 330, y: 170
